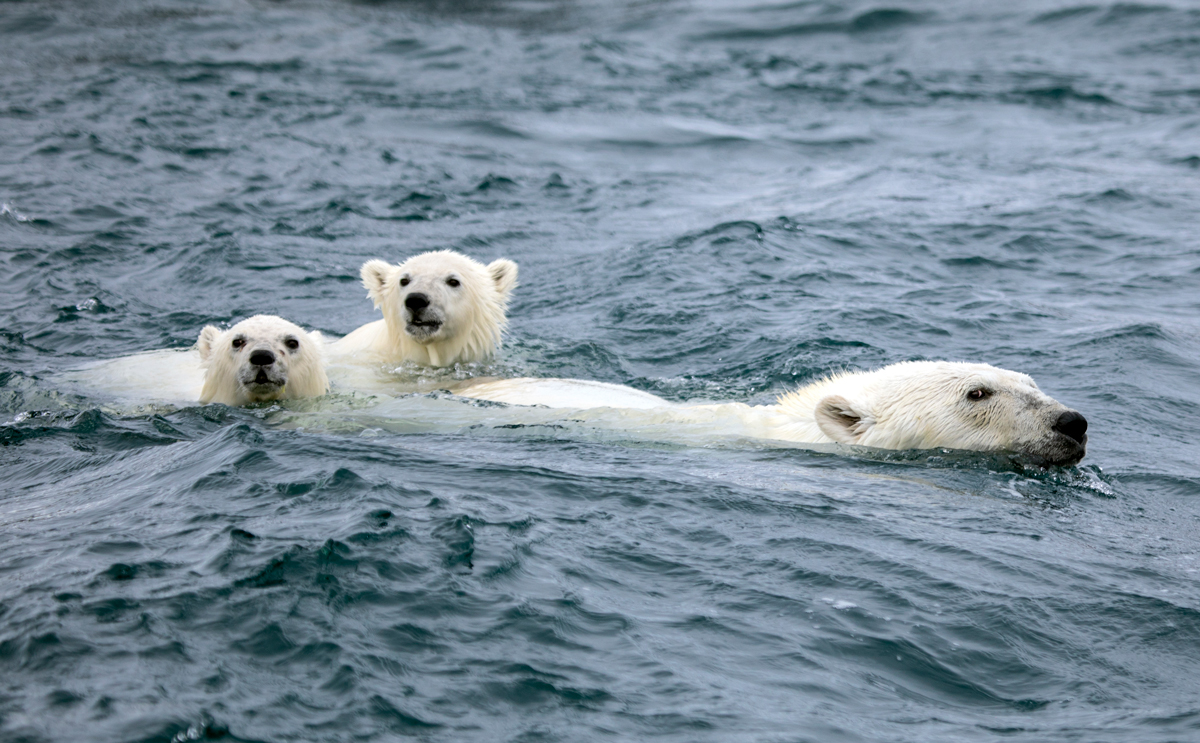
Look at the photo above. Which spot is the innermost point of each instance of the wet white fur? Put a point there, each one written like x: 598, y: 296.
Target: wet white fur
x: 301, y: 371
x: 473, y: 313
x: 168, y: 376
x: 910, y: 405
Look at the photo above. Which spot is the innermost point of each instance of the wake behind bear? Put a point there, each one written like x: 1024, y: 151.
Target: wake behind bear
x: 909, y: 405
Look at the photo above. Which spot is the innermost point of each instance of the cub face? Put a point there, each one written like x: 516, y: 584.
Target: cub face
x: 260, y: 359
x: 442, y: 296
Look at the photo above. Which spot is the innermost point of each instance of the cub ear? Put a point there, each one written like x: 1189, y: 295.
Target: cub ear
x: 504, y: 275
x: 843, y: 421
x: 375, y: 275
x: 207, y: 341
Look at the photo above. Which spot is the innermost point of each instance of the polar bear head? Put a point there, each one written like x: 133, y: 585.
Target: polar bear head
x: 942, y: 404
x: 261, y: 358
x: 442, y: 307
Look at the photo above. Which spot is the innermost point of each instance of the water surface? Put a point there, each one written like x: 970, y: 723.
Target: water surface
x: 707, y: 200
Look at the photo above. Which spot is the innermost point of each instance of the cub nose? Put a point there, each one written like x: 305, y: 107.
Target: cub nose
x: 1072, y: 425
x: 262, y: 357
x: 416, y: 301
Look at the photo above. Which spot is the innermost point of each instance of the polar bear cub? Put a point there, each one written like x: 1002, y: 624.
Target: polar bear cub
x: 260, y: 359
x: 439, y: 309
x: 910, y: 405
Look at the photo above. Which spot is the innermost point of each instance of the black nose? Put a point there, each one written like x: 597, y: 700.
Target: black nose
x: 416, y: 301
x: 262, y: 358
x: 1072, y: 425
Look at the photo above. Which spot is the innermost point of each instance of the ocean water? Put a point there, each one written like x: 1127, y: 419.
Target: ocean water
x: 716, y: 200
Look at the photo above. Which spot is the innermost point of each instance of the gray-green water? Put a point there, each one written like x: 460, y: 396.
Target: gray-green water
x: 716, y: 200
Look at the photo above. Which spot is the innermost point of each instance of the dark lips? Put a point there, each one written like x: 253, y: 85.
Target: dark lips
x: 1078, y: 450
x: 262, y: 378
x: 425, y: 325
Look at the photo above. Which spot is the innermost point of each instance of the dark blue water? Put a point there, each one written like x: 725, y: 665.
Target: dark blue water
x: 707, y: 200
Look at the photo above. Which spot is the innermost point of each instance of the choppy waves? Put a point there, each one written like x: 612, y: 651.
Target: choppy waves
x: 707, y: 203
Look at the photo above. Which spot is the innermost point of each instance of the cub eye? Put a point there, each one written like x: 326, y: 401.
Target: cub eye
x: 979, y: 394
x: 292, y: 343
x: 452, y: 282
x: 404, y: 281
x: 239, y: 342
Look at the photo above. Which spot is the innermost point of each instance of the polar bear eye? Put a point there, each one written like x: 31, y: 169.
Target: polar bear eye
x: 239, y: 342
x: 404, y: 281
x: 979, y: 393
x: 453, y: 282
x: 292, y: 343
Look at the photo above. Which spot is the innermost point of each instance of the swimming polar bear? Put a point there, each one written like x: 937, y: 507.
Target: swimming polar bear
x: 262, y: 358
x: 439, y: 309
x: 909, y: 405
x: 212, y: 370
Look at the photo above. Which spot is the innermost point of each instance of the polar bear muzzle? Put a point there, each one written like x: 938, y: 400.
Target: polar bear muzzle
x: 263, y: 378
x: 423, y: 321
x: 1069, y: 444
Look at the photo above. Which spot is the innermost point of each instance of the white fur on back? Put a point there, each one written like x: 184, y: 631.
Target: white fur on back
x: 563, y: 393
x: 168, y: 376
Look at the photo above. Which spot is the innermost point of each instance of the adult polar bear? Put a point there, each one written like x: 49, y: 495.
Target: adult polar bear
x: 439, y: 309
x: 910, y: 405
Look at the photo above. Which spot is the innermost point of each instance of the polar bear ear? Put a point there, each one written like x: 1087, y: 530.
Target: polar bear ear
x: 207, y: 341
x: 842, y: 420
x: 375, y: 275
x: 504, y: 275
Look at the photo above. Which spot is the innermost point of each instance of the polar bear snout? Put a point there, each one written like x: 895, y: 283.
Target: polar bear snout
x: 424, y: 318
x: 1072, y: 425
x: 416, y: 302
x: 262, y: 376
x: 1066, y: 442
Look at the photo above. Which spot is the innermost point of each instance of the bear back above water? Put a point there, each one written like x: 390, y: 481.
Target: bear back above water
x: 439, y: 309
